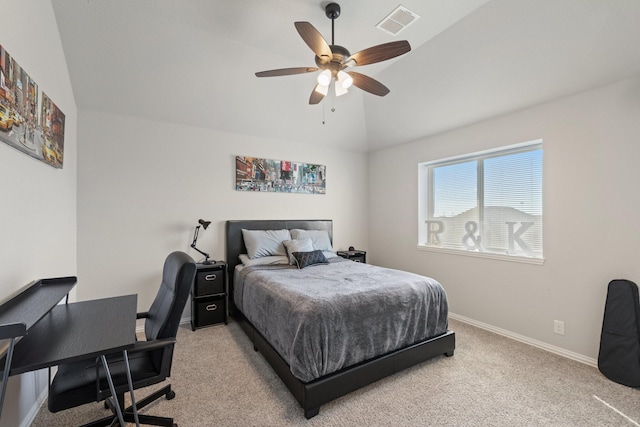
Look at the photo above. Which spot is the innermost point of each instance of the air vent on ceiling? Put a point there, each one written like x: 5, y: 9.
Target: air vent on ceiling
x: 397, y: 20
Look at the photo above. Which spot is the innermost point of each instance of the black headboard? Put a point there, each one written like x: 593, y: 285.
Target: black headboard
x: 234, y: 243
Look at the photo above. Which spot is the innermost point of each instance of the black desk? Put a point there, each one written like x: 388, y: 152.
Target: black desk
x: 76, y: 331
x: 66, y: 332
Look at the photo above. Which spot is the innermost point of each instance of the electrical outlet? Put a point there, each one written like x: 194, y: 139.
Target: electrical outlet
x: 558, y: 327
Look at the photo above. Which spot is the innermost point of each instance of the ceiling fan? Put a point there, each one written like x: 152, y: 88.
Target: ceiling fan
x: 333, y: 60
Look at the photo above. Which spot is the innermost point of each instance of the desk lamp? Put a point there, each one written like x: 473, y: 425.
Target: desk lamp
x: 204, y: 225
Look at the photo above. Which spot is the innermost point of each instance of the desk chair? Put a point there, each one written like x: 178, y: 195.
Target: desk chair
x: 83, y: 382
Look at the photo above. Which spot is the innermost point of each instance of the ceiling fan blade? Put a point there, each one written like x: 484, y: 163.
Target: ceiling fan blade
x: 314, y: 40
x: 316, y: 96
x: 368, y: 84
x: 285, y: 71
x: 380, y: 53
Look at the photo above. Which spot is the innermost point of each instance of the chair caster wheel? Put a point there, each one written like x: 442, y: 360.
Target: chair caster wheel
x: 171, y: 395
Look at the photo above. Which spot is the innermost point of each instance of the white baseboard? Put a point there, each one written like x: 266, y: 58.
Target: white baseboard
x: 535, y: 343
x: 37, y: 406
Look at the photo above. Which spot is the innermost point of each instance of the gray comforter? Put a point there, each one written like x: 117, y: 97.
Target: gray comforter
x: 328, y: 317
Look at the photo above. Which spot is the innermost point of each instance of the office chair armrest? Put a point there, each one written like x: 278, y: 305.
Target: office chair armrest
x: 138, y: 347
x: 142, y: 315
x: 151, y: 345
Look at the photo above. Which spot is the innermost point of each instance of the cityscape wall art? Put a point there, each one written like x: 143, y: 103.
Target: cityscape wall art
x: 29, y: 120
x: 280, y: 176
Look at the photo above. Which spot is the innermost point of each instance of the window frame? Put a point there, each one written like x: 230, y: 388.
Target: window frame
x: 426, y: 200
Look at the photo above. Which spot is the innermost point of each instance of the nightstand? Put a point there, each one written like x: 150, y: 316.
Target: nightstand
x: 209, y: 295
x: 357, y: 256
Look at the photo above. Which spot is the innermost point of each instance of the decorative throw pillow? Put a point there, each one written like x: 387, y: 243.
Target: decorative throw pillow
x: 261, y: 243
x: 319, y: 238
x: 297, y: 245
x: 305, y: 259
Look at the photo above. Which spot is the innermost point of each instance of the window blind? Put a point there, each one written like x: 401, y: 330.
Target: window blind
x: 488, y: 202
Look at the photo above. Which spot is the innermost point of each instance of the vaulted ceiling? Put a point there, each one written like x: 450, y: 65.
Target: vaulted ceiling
x: 192, y: 62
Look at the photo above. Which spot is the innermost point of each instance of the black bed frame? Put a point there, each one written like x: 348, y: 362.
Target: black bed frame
x: 311, y: 395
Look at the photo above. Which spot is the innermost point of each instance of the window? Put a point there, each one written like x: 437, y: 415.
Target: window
x: 486, y: 203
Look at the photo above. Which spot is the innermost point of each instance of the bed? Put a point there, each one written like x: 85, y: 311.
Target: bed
x: 315, y: 382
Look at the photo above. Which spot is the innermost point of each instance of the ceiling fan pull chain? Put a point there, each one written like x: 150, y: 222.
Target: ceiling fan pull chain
x: 333, y: 101
x: 323, y: 113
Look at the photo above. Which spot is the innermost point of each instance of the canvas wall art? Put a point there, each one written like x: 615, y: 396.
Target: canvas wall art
x: 284, y: 176
x: 29, y: 120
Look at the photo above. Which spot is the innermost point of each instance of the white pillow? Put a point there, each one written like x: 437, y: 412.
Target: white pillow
x: 319, y: 238
x: 261, y: 243
x: 297, y: 245
x: 265, y: 260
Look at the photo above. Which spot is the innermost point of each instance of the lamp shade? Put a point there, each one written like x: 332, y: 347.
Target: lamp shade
x: 324, y: 78
x: 204, y: 223
x: 344, y: 80
x: 321, y: 89
x: 340, y: 90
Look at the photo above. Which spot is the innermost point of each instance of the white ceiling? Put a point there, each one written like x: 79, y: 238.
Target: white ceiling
x: 192, y: 62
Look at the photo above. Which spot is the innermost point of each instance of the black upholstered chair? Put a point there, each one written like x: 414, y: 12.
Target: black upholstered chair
x: 83, y: 382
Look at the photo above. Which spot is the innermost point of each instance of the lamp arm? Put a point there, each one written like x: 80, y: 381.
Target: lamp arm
x: 195, y: 236
x: 203, y: 253
x: 193, y: 245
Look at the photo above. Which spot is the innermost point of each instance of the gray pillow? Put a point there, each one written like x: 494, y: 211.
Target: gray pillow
x: 297, y: 245
x: 319, y: 238
x: 261, y: 243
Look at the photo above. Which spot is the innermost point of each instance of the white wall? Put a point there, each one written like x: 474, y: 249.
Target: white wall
x: 143, y: 185
x: 591, y: 206
x: 38, y: 214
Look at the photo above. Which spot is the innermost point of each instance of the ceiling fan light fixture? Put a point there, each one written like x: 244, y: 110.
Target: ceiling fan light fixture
x: 332, y: 59
x: 324, y: 78
x: 344, y: 80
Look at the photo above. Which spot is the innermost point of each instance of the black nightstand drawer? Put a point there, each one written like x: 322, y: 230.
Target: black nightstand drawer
x: 210, y: 311
x: 210, y: 282
x: 209, y: 297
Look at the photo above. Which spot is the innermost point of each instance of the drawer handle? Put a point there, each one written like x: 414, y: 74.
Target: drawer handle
x: 211, y: 307
x: 210, y: 277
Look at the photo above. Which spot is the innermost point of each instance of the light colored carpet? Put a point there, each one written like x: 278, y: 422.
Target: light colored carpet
x: 490, y: 381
